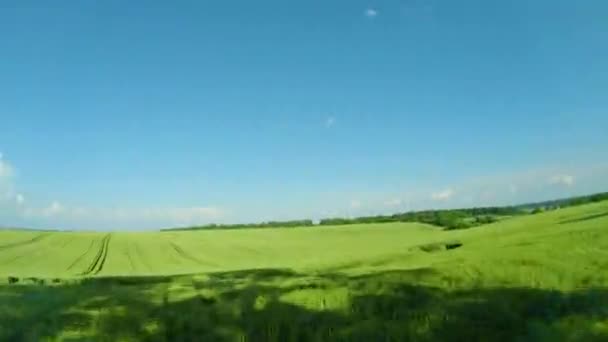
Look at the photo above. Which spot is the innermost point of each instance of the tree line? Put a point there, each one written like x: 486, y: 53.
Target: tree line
x: 563, y: 202
x: 447, y: 218
x: 450, y: 219
x: 269, y: 224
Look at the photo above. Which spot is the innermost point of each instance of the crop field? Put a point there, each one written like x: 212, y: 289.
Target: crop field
x: 541, y: 277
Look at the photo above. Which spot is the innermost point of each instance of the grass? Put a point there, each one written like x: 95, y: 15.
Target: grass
x: 532, y: 278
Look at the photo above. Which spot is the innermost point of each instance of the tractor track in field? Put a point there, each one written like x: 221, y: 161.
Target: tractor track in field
x: 185, y: 255
x: 128, y: 253
x: 141, y: 257
x: 67, y: 242
x: 81, y: 256
x: 23, y: 243
x: 100, y: 258
x: 34, y: 253
x: 17, y: 257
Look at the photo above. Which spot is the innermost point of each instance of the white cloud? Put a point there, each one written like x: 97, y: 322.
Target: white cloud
x: 193, y: 215
x: 355, y: 204
x: 159, y: 216
x: 395, y: 202
x: 442, y: 195
x: 531, y: 185
x: 371, y: 13
x: 330, y: 121
x: 566, y: 180
x: 82, y: 215
x: 6, y: 169
x: 53, y: 209
x: 6, y: 181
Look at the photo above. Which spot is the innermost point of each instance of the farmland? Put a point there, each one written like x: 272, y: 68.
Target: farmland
x: 529, y: 278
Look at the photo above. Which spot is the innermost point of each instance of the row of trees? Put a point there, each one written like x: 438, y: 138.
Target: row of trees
x: 449, y: 218
x: 269, y: 224
x: 564, y: 202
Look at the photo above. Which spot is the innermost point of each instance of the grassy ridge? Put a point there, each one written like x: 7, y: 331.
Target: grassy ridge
x: 367, y: 246
x: 531, y: 278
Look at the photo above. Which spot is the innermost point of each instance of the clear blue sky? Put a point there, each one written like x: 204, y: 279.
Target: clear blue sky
x: 144, y: 114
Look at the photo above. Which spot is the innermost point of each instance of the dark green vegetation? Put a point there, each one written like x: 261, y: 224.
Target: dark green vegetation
x: 565, y: 202
x: 447, y: 218
x: 270, y: 224
x: 233, y: 306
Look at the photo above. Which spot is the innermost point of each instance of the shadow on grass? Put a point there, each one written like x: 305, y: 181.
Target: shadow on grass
x: 127, y: 280
x: 251, y: 305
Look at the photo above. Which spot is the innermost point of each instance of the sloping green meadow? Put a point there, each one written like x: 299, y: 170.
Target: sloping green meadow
x: 541, y: 277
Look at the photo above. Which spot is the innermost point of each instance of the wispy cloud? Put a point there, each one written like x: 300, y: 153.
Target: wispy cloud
x: 442, y: 195
x: 53, y: 209
x: 15, y: 204
x: 371, y: 12
x: 330, y: 121
x: 500, y: 189
x: 566, y: 180
x: 394, y: 202
x: 155, y: 216
x: 7, y: 193
x: 192, y: 215
x: 6, y: 169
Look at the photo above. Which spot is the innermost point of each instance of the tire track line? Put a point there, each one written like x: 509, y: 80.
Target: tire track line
x: 22, y: 243
x: 29, y: 254
x: 80, y: 257
x: 100, y: 258
x: 187, y: 256
x: 67, y: 241
x: 142, y: 258
x: 105, y: 254
x: 128, y: 253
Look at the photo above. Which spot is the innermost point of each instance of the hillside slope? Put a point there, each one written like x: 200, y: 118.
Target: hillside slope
x: 532, y: 278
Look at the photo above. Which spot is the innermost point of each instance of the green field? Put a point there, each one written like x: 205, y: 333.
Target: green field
x: 540, y: 277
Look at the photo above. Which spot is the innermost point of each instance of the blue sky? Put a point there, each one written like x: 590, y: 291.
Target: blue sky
x: 134, y: 115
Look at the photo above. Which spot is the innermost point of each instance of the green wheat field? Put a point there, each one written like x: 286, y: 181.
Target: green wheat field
x: 541, y: 277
